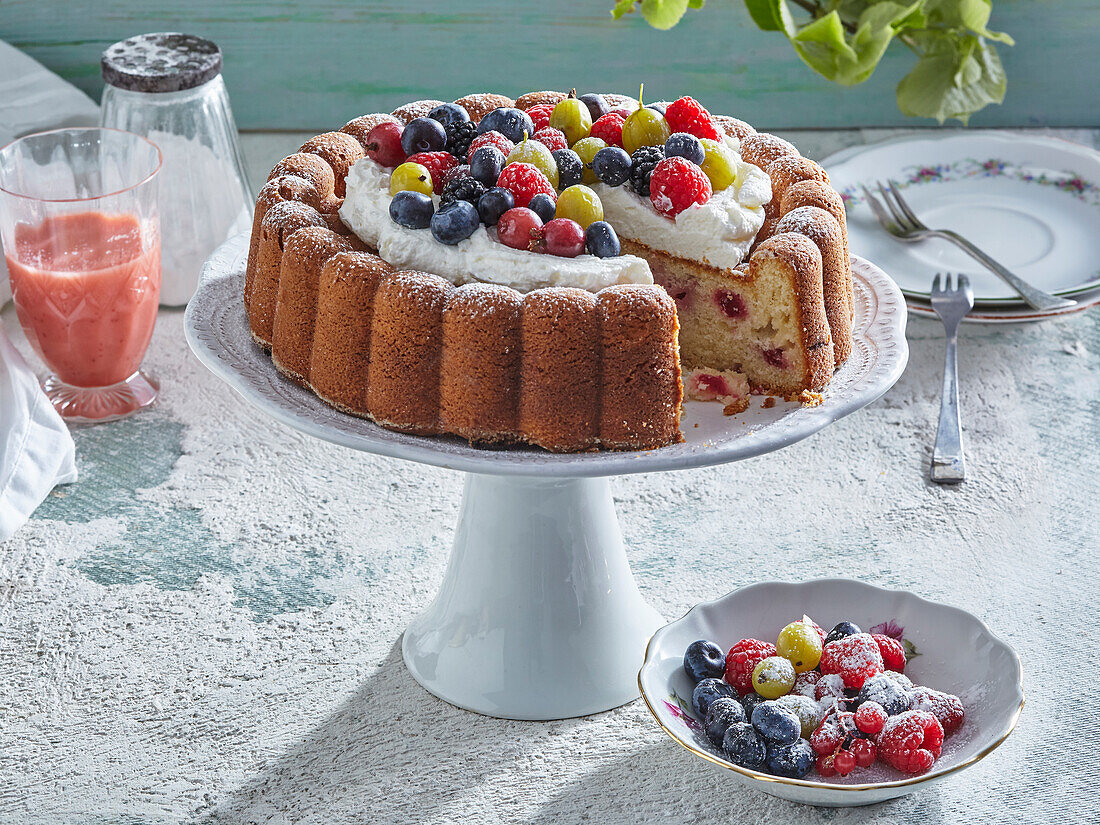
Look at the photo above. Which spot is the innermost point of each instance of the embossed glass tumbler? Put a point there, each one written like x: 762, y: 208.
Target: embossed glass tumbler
x: 78, y: 219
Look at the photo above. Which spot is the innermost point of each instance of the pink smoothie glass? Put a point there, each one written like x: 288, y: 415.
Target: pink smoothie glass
x: 78, y: 219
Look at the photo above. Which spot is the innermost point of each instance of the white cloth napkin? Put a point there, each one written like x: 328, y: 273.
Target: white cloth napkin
x: 36, y: 450
x: 33, y: 99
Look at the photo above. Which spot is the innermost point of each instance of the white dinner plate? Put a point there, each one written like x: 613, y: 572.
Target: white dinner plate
x: 1033, y: 203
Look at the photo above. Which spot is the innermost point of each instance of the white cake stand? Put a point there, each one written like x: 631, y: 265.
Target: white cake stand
x: 538, y: 616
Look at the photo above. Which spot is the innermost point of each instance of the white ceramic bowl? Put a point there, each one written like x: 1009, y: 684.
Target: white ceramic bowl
x: 957, y: 654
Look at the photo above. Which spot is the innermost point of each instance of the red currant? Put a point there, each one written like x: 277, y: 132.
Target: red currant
x: 564, y: 238
x: 864, y: 751
x: 870, y: 717
x: 520, y: 228
x: 844, y: 762
x: 825, y: 765
x: 826, y: 738
x: 384, y: 144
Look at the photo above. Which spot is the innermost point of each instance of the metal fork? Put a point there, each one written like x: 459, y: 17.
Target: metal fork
x: 951, y: 302
x: 906, y: 226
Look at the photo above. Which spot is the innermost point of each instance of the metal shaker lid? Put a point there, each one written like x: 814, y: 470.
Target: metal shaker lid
x: 161, y: 62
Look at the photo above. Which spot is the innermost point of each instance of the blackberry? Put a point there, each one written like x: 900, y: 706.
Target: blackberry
x: 459, y: 136
x: 642, y: 164
x: 462, y: 189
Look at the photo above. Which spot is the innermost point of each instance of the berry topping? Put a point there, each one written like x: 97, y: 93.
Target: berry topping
x: 456, y: 173
x: 462, y: 189
x: 805, y: 683
x: 570, y: 167
x: 828, y: 737
x: 645, y: 127
x: 564, y: 238
x: 514, y: 124
x: 844, y: 762
x: 519, y: 228
x: 486, y: 164
x: 864, y: 751
x: 870, y: 717
x: 438, y: 163
x: 911, y: 741
x: 893, y: 654
x: 829, y: 686
x: 525, y: 181
x: 884, y: 691
x: 776, y: 723
x: 412, y: 209
x: 600, y: 240
x: 384, y: 144
x: 720, y: 715
x: 947, y: 709
x: 719, y: 164
x: 423, y: 134
x: 799, y: 643
x: 841, y: 630
x: 536, y: 154
x: 742, y: 658
x: 455, y: 222
x: 580, y: 204
x: 553, y: 139
x: 609, y: 129
x: 459, y: 137
x: 817, y: 628
x: 856, y: 658
x: 683, y: 145
x: 612, y: 165
x: 824, y: 765
x: 688, y: 115
x: 540, y: 115
x: 706, y: 692
x: 675, y: 185
x: 449, y: 113
x: 744, y: 747
x: 750, y: 700
x: 491, y: 139
x: 411, y: 176
x: 773, y: 677
x: 493, y: 204
x: 806, y: 709
x: 597, y: 105
x: 642, y: 163
x: 793, y: 761
x: 586, y: 150
x: 543, y: 205
x: 572, y: 117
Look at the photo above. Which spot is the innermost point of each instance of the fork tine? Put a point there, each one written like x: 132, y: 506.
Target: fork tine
x: 896, y: 213
x: 880, y: 214
x: 949, y: 282
x: 903, y: 205
x: 936, y: 283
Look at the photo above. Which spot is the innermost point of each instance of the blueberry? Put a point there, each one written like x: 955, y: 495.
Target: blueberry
x: 720, y: 715
x: 792, y: 761
x: 683, y: 145
x: 486, y: 164
x: 744, y: 747
x: 888, y: 693
x: 657, y: 107
x: 493, y: 204
x: 512, y: 123
x: 423, y: 134
x: 570, y: 167
x: 706, y: 692
x: 455, y: 222
x: 612, y: 165
x: 543, y: 205
x: 775, y: 723
x: 447, y: 113
x: 749, y: 702
x: 842, y: 630
x: 597, y: 105
x: 601, y: 241
x: 412, y: 209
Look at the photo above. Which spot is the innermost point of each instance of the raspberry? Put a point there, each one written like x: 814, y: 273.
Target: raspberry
x: 540, y: 115
x: 830, y: 686
x: 676, y: 184
x: 490, y: 139
x: 947, y: 709
x: 553, y: 139
x: 911, y: 741
x: 856, y: 658
x: 609, y: 129
x: 525, y: 181
x: 806, y: 683
x: 438, y: 163
x: 893, y: 654
x: 688, y: 115
x: 742, y: 658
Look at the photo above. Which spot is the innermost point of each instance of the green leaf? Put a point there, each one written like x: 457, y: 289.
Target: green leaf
x: 622, y: 7
x: 771, y: 16
x: 696, y: 4
x: 954, y: 78
x: 850, y: 58
x: 972, y: 15
x: 663, y: 14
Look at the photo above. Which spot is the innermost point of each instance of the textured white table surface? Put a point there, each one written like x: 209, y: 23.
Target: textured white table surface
x: 206, y: 627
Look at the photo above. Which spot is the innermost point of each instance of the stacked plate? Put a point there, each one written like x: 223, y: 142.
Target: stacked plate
x: 1032, y: 203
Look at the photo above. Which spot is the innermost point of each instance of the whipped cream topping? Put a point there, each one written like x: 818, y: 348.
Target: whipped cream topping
x: 481, y: 257
x: 717, y: 233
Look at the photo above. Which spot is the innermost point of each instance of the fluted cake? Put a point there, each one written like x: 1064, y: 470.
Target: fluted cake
x: 507, y: 272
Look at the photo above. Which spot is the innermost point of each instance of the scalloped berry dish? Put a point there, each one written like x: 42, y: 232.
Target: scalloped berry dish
x: 555, y: 270
x: 751, y: 684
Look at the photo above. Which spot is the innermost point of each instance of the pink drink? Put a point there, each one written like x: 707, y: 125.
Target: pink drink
x: 86, y: 293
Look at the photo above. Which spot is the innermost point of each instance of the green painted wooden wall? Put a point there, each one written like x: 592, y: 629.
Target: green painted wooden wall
x: 292, y: 64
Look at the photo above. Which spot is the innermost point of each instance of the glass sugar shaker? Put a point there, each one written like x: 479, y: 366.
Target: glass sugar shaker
x: 168, y: 87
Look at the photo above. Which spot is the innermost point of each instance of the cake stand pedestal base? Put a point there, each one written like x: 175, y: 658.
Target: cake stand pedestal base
x: 538, y: 616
